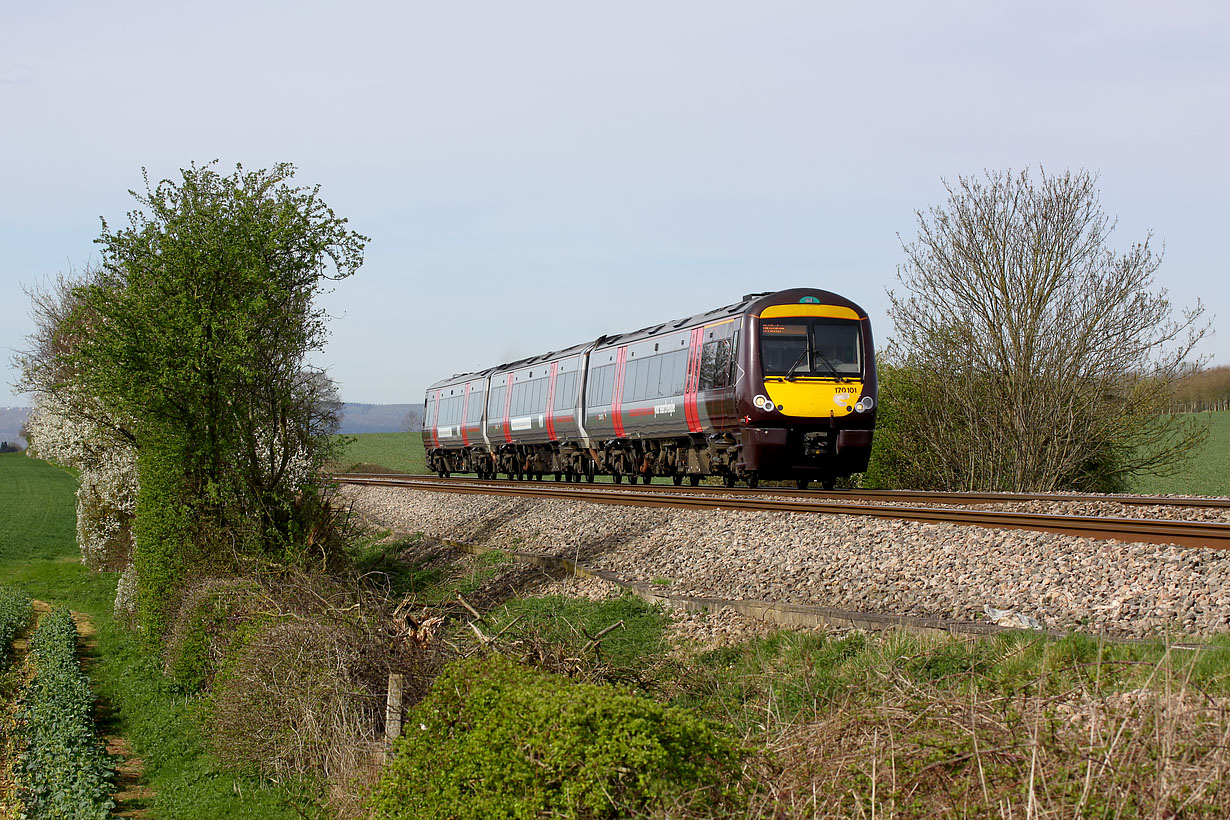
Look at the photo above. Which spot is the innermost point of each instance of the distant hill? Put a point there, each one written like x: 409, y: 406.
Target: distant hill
x: 11, y: 419
x: 380, y: 418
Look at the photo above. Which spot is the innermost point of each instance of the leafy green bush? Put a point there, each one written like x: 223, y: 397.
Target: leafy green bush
x: 62, y: 770
x: 497, y: 740
x: 14, y: 615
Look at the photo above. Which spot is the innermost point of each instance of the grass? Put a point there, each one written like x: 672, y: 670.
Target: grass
x: 38, y: 555
x: 388, y: 452
x: 1208, y: 471
x: 572, y: 624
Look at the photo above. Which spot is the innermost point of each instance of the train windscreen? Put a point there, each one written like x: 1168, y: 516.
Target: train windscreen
x: 816, y: 347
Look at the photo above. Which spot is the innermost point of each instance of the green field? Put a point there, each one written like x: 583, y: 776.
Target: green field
x: 38, y: 554
x: 394, y: 452
x: 1207, y: 473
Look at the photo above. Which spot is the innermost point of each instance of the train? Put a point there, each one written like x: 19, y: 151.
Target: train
x: 779, y: 386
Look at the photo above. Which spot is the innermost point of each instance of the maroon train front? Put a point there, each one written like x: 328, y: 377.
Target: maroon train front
x: 778, y: 386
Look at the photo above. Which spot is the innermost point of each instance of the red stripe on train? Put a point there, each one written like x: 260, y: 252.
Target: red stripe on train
x: 617, y: 400
x: 508, y: 409
x: 551, y: 401
x: 692, y: 381
x: 435, y: 421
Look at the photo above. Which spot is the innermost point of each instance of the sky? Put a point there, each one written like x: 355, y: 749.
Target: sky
x: 535, y: 174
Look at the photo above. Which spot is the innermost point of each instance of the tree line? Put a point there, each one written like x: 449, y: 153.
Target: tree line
x: 1203, y: 391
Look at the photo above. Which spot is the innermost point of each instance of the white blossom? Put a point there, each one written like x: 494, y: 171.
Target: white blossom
x: 64, y: 430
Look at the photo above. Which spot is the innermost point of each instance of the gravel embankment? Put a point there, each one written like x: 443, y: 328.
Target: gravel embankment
x: 844, y: 562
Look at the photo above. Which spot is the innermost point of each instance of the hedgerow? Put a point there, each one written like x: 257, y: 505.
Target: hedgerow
x: 62, y: 769
x: 14, y: 615
x: 495, y: 739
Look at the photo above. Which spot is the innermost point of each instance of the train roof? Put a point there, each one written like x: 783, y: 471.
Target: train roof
x: 750, y: 303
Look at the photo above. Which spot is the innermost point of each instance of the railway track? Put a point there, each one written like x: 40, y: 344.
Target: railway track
x: 878, y: 504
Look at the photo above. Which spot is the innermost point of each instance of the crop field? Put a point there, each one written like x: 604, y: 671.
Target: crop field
x: 1208, y: 471
x: 392, y: 452
x: 33, y: 521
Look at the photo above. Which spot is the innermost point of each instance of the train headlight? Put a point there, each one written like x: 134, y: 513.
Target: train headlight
x: 763, y: 402
x: 865, y: 404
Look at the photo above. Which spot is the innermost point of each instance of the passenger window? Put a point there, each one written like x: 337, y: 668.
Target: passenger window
x: 602, y: 380
x: 540, y: 396
x: 678, y: 372
x: 715, y: 364
x: 653, y: 383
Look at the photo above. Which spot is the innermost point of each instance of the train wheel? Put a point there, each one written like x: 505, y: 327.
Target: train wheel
x: 829, y: 483
x: 631, y: 478
x: 753, y: 481
x: 648, y: 478
x: 695, y: 480
x: 617, y: 478
x: 802, y: 483
x: 730, y: 479
x: 677, y: 478
x: 589, y: 478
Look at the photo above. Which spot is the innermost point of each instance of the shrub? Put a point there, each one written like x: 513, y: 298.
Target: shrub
x: 62, y: 770
x: 298, y: 702
x: 497, y: 740
x: 301, y: 690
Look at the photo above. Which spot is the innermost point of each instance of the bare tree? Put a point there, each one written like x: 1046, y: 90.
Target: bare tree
x: 1033, y: 355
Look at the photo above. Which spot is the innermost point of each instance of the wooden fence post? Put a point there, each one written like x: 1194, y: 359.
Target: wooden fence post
x: 392, y: 711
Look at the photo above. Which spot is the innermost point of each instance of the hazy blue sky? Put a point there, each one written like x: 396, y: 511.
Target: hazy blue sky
x: 534, y: 174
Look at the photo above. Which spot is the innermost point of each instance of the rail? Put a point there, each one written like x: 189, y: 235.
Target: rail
x: 1215, y: 535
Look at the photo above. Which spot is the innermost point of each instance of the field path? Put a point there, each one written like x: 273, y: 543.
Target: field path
x: 132, y: 796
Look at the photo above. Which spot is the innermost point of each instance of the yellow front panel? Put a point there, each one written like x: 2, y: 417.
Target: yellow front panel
x: 813, y: 398
x: 830, y: 311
